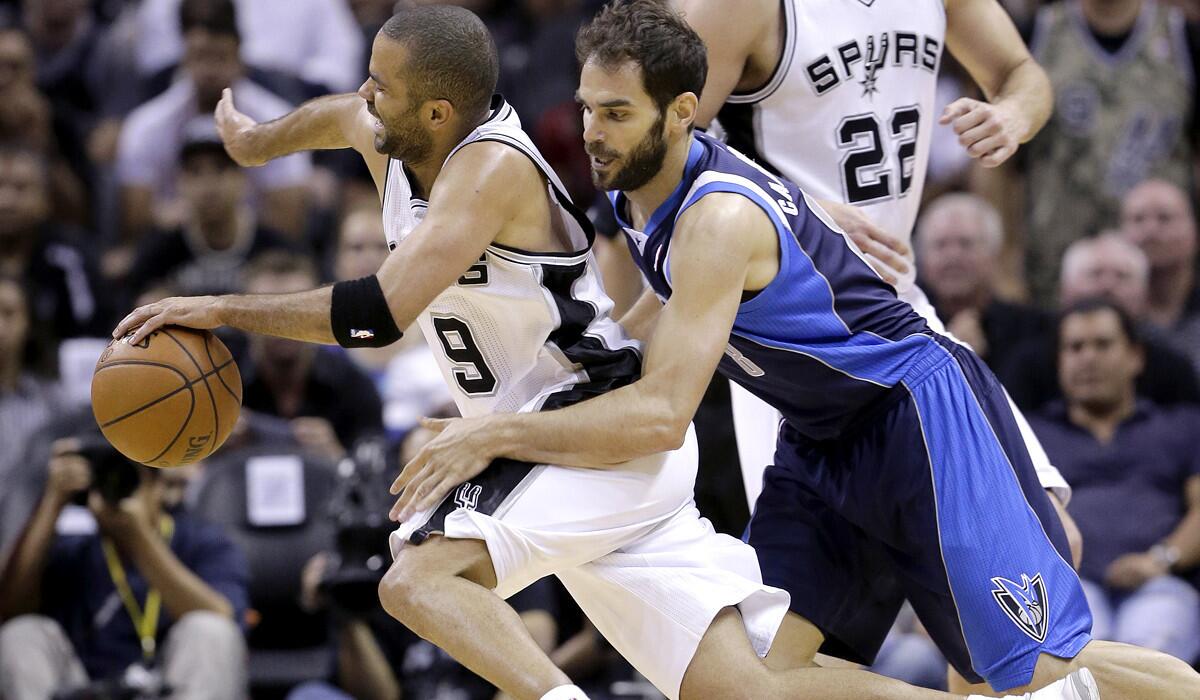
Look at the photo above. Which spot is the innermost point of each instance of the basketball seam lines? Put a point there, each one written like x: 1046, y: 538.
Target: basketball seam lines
x: 212, y: 363
x: 211, y: 396
x: 187, y: 385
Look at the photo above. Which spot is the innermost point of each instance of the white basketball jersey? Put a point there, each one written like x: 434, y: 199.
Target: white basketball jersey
x: 519, y: 330
x: 847, y: 114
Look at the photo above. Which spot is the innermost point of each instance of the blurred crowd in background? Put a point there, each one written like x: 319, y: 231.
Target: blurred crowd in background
x: 1071, y: 271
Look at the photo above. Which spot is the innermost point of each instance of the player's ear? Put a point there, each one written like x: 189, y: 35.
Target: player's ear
x: 683, y: 110
x: 438, y: 113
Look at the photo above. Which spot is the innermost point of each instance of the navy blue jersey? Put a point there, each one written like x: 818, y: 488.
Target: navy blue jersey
x: 827, y: 336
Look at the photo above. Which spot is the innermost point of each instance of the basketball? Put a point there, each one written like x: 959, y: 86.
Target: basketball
x: 170, y: 400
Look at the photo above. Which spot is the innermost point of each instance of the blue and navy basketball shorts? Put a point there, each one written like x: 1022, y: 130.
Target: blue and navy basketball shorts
x: 930, y: 497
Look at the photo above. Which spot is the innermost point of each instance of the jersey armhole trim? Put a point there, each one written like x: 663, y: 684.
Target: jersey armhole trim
x: 780, y: 72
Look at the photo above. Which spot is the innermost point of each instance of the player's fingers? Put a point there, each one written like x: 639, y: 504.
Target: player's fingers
x: 410, y: 470
x: 882, y: 270
x: 152, y: 324
x: 980, y: 149
x: 433, y: 496
x: 979, y: 132
x: 885, y: 239
x: 969, y: 120
x: 998, y: 156
x: 134, y: 319
x: 884, y: 255
x: 413, y: 493
x: 956, y: 109
x: 436, y: 425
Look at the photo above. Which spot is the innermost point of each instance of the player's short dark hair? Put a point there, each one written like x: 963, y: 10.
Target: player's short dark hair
x: 451, y: 56
x: 213, y: 16
x: 1096, y: 304
x: 654, y: 36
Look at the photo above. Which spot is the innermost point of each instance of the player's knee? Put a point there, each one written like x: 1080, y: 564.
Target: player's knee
x: 401, y: 586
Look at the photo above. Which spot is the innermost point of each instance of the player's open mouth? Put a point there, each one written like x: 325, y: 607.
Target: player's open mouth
x: 601, y: 163
x: 378, y: 126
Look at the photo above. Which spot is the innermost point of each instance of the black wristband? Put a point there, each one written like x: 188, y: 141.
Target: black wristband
x: 359, y: 315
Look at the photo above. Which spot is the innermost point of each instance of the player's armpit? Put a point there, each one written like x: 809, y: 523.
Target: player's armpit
x: 479, y: 190
x: 729, y: 44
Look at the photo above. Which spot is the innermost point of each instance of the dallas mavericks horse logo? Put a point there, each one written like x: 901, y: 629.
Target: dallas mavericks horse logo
x: 1025, y: 604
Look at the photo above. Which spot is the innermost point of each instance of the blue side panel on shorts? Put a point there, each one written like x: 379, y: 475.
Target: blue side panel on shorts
x: 1016, y: 595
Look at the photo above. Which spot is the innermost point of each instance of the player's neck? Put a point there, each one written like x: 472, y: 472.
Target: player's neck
x: 1169, y: 291
x: 424, y: 173
x: 650, y: 196
x: 1111, y: 17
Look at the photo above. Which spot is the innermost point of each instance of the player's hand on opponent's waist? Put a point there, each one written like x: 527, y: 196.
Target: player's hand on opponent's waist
x: 887, y: 254
x: 460, y: 450
x: 237, y: 132
x: 990, y: 133
x: 191, y: 312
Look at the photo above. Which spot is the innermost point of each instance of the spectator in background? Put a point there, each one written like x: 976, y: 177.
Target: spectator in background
x: 301, y: 48
x: 1125, y: 100
x: 405, y: 373
x: 1157, y: 217
x: 330, y: 402
x: 58, y: 594
x: 149, y: 146
x: 958, y: 246
x: 34, y: 247
x: 27, y: 119
x: 1135, y: 470
x: 28, y: 399
x: 208, y: 252
x: 1107, y: 267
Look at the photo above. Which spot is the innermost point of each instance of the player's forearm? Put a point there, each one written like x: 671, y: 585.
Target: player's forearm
x: 1027, y: 93
x: 600, y: 433
x: 321, y: 123
x: 182, y: 591
x: 300, y: 316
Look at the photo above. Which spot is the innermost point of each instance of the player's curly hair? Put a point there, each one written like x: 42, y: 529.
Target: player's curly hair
x: 654, y: 36
x: 451, y: 56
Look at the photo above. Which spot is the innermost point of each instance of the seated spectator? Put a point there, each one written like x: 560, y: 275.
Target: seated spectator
x: 958, y: 247
x: 219, y: 233
x: 149, y: 146
x: 330, y: 402
x: 28, y: 399
x: 34, y: 247
x: 1111, y: 268
x: 315, y: 45
x: 144, y: 588
x: 406, y: 373
x: 1135, y: 469
x: 28, y: 119
x: 1157, y: 217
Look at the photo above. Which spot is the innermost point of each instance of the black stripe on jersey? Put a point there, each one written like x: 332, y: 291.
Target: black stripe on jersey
x: 484, y: 494
x: 563, y: 198
x: 606, y: 369
x: 738, y: 122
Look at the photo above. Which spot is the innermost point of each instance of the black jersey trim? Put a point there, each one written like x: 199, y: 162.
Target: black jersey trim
x: 779, y: 73
x: 606, y: 368
x: 740, y: 134
x: 487, y: 493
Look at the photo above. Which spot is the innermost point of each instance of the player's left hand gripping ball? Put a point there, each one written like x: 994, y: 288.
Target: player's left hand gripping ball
x: 461, y: 450
x: 190, y: 312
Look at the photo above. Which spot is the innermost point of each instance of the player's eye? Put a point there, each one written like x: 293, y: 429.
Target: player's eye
x: 618, y: 116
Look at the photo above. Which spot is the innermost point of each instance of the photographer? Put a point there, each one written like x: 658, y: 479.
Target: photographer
x: 148, y: 595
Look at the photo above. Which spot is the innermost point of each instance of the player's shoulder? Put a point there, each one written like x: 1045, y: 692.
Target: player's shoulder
x: 493, y: 169
x: 748, y: 12
x: 721, y: 218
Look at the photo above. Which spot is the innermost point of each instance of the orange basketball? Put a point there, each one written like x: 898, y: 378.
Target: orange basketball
x: 170, y: 400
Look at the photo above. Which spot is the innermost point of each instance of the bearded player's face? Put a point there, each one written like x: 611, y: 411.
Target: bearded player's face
x: 399, y: 132
x: 624, y: 131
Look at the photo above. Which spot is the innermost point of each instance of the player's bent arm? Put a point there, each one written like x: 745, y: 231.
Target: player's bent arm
x: 981, y: 35
x: 730, y: 29
x: 642, y: 318
x: 477, y: 192
x: 710, y: 259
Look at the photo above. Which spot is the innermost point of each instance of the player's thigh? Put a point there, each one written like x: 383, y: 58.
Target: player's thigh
x: 440, y: 556
x: 796, y: 644
x: 725, y: 665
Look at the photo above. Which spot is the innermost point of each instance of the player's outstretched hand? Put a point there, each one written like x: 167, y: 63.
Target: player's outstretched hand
x: 458, y: 453
x: 191, y: 312
x: 887, y: 254
x: 990, y: 133
x: 237, y: 132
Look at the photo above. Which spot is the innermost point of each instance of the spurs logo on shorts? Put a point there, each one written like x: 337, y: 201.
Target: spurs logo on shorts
x: 1024, y: 603
x: 467, y: 496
